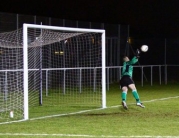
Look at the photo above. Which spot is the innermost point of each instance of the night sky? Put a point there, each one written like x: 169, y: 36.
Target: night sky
x: 151, y: 21
x: 147, y: 18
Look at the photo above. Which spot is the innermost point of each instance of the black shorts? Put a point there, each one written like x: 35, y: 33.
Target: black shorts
x: 126, y: 81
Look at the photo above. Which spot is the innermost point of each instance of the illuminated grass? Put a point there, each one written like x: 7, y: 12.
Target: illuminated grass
x: 159, y: 118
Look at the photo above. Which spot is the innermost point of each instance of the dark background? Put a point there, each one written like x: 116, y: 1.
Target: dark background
x: 151, y: 22
x: 147, y: 18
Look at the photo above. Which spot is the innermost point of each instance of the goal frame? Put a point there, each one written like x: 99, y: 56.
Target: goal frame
x: 25, y: 59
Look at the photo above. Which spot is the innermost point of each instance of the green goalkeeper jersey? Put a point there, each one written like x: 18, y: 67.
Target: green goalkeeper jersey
x: 128, y: 67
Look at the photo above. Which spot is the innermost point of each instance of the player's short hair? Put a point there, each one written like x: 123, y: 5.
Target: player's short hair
x: 124, y: 58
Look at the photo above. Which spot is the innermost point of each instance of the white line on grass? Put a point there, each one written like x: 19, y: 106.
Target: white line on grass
x: 75, y: 135
x: 84, y: 111
x: 161, y: 99
x: 100, y: 108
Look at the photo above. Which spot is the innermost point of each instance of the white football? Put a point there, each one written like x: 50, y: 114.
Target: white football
x: 144, y: 48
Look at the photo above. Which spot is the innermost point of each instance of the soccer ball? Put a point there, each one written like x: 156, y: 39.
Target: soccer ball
x: 144, y: 48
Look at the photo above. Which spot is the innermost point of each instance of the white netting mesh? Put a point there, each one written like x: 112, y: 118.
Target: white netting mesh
x: 64, y: 72
x: 36, y: 38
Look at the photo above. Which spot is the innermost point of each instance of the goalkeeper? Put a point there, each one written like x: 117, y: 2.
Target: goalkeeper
x: 127, y: 82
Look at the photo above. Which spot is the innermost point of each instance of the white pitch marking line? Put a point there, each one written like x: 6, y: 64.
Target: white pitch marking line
x: 75, y: 135
x: 103, y: 136
x: 99, y: 109
x: 86, y: 111
x: 161, y: 99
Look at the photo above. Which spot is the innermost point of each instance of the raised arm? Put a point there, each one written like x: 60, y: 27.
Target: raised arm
x: 133, y: 60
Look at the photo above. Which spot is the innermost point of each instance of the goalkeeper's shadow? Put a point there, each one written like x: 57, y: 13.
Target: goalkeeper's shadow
x: 130, y: 108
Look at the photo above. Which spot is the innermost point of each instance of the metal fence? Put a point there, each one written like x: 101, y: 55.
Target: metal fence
x: 162, y: 52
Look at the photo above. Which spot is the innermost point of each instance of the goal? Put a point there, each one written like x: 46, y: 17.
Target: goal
x: 49, y: 71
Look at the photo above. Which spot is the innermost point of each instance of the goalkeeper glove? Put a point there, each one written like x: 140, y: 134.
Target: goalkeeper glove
x: 137, y: 53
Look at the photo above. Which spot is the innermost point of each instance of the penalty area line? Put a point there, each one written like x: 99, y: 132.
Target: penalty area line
x: 76, y: 135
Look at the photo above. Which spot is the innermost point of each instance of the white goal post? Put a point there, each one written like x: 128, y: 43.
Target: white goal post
x: 25, y: 57
x: 51, y: 70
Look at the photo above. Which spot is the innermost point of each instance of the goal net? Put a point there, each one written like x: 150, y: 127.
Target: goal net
x: 49, y: 71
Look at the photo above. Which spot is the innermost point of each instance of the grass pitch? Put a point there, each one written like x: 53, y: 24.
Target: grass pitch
x: 160, y: 118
